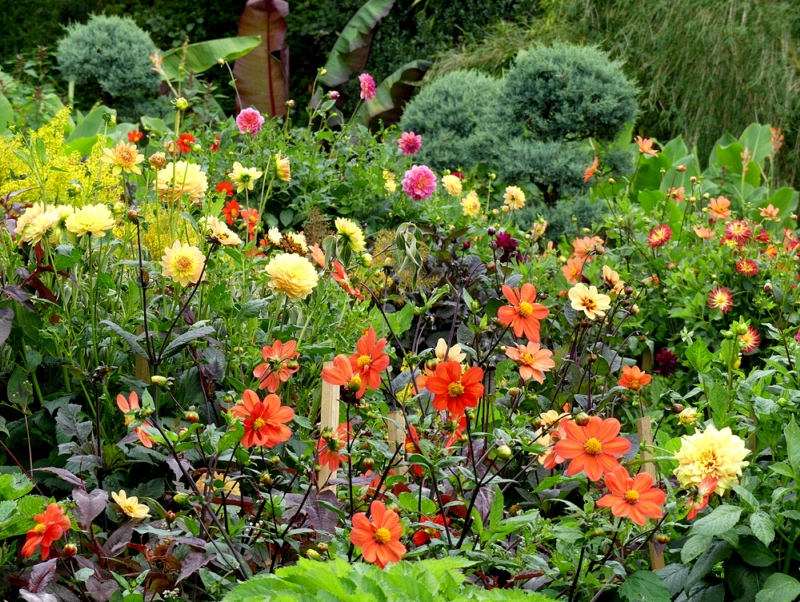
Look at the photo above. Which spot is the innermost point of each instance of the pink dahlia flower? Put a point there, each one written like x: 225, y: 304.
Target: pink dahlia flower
x: 249, y: 121
x: 419, y: 182
x: 410, y: 143
x: 367, y: 86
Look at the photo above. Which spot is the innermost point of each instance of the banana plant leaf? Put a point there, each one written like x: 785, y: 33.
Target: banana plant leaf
x: 392, y: 94
x: 262, y: 79
x: 204, y: 55
x: 6, y: 113
x: 351, y: 51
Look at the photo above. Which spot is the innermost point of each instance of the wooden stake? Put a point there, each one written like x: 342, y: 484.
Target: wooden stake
x: 329, y: 418
x: 645, y: 430
x: 396, y: 423
x: 142, y: 368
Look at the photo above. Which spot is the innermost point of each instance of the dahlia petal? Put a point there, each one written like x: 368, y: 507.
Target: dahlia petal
x: 569, y: 448
x: 377, y: 510
x: 510, y: 294
x: 642, y: 482
x: 607, y: 501
x: 383, y: 555
x: 609, y: 428
x: 618, y: 481
x: 593, y: 468
x: 122, y: 403
x: 577, y: 465
x: 635, y: 514
x: 575, y: 432
x: 650, y: 510
x: 369, y: 551
x: 617, y: 447
x: 607, y: 463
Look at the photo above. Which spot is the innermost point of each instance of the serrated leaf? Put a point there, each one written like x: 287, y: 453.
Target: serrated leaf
x: 181, y: 341
x: 792, y: 433
x: 721, y: 520
x: 694, y: 546
x: 763, y: 527
x: 779, y: 588
x: 644, y: 586
x: 699, y: 357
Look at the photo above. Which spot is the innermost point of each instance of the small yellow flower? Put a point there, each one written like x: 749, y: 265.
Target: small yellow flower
x: 244, y: 177
x: 514, y: 198
x: 220, y: 233
x: 124, y: 157
x: 471, y: 204
x: 293, y: 275
x: 36, y: 229
x: 130, y: 506
x: 91, y: 219
x: 389, y: 181
x: 688, y: 416
x: 229, y: 485
x: 588, y: 300
x: 283, y: 168
x: 351, y: 234
x: 183, y: 263
x: 718, y: 454
x: 182, y: 178
x: 452, y: 184
x: 274, y: 236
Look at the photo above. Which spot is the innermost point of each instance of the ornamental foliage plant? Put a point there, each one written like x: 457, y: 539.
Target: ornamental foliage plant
x: 300, y: 362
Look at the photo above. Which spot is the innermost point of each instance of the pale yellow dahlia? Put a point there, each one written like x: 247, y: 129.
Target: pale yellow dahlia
x: 91, y: 219
x: 28, y: 216
x: 283, y: 168
x: 589, y: 301
x: 274, y: 236
x: 298, y: 239
x: 453, y: 354
x: 130, y: 506
x: 514, y: 198
x: 124, y: 158
x: 36, y: 229
x: 471, y: 204
x: 182, y: 178
x: 183, y: 263
x: 688, y: 416
x: 229, y: 485
x: 219, y: 232
x: 351, y: 234
x: 293, y: 275
x: 452, y: 184
x: 389, y: 181
x: 718, y: 454
x: 244, y: 177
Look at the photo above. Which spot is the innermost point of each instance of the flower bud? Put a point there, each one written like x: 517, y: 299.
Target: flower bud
x: 513, y: 391
x: 582, y: 419
x: 181, y: 103
x: 181, y: 498
x: 290, y: 103
x: 159, y: 380
x: 196, y: 148
x: 312, y: 554
x: 688, y: 416
x: 662, y: 538
x: 681, y: 168
x: 191, y: 417
x: 612, y: 181
x: 170, y: 516
x: 365, y: 259
x: 503, y: 452
x: 70, y: 550
x: 323, y: 71
x: 334, y: 95
x: 322, y: 546
x: 677, y: 407
x: 265, y: 479
x: 768, y: 287
x: 221, y: 62
x: 634, y: 309
x: 514, y: 510
x: 157, y: 160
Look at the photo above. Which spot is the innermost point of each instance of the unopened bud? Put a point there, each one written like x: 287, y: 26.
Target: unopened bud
x: 170, y: 516
x: 504, y: 452
x: 312, y: 554
x: 582, y: 419
x: 70, y: 550
x: 157, y: 160
x: 181, y: 103
x: 513, y: 391
x: 191, y: 417
x: 334, y: 95
x: 159, y: 380
x: 662, y: 538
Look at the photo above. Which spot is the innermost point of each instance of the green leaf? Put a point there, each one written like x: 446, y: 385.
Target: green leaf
x: 699, y: 357
x: 392, y: 93
x: 92, y: 125
x: 230, y: 438
x: 716, y: 553
x: 719, y: 401
x: 6, y: 114
x: 644, y: 586
x: 351, y: 51
x: 694, y: 546
x: 204, y: 55
x: 779, y: 588
x: 746, y: 495
x: 400, y: 321
x: 755, y: 553
x: 763, y: 527
x: 757, y: 139
x: 496, y: 511
x: 187, y: 337
x: 129, y: 337
x: 792, y: 433
x: 721, y: 520
x: 14, y: 484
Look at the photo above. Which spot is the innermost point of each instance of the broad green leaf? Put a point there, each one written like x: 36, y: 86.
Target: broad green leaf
x: 699, y: 357
x: 6, y: 114
x: 648, y: 174
x: 747, y: 496
x: 757, y: 139
x: 92, y: 125
x: 694, y: 546
x: 792, y: 433
x: 644, y: 586
x: 720, y: 550
x: 351, y: 51
x: 392, y: 94
x: 187, y: 337
x: 721, y: 520
x: 14, y: 484
x: 779, y: 588
x: 204, y: 55
x: 496, y: 510
x: 719, y: 401
x: 754, y: 552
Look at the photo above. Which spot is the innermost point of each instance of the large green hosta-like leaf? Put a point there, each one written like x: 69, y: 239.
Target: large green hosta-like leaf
x: 262, y: 78
x: 351, y: 51
x: 204, y: 55
x: 392, y: 94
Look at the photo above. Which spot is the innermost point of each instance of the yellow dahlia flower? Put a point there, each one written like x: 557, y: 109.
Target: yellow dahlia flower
x: 283, y: 168
x: 36, y: 229
x: 299, y: 240
x: 124, y: 157
x: 471, y: 204
x: 91, y: 219
x: 274, y: 236
x: 130, y: 506
x: 719, y: 454
x: 589, y: 301
x: 229, y: 485
x: 181, y: 178
x: 293, y: 275
x: 389, y: 181
x: 244, y: 177
x: 452, y: 184
x: 220, y: 233
x: 514, y: 198
x: 351, y: 233
x: 183, y: 263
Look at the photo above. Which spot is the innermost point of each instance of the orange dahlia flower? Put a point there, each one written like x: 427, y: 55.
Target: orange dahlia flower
x: 593, y: 448
x: 454, y: 391
x: 633, y: 498
x: 279, y: 364
x: 706, y: 487
x: 129, y: 406
x: 370, y: 360
x: 52, y: 526
x: 523, y: 314
x: 633, y: 378
x: 533, y: 360
x: 342, y: 374
x: 379, y: 539
x: 719, y: 208
x: 332, y: 446
x: 263, y: 420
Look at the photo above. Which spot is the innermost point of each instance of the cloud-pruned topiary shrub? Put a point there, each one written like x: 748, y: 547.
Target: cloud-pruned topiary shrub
x: 447, y: 113
x: 109, y: 57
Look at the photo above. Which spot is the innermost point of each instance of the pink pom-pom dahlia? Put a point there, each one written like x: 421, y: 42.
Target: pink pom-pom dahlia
x: 419, y: 182
x: 409, y: 143
x: 367, y: 86
x: 249, y: 121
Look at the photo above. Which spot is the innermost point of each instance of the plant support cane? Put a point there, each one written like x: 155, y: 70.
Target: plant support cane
x: 329, y: 418
x: 645, y: 431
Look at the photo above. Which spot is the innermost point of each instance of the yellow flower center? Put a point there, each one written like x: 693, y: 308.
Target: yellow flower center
x: 634, y: 386
x: 455, y: 389
x: 129, y: 508
x: 258, y: 424
x: 354, y: 384
x: 592, y: 447
x: 525, y: 309
x: 527, y: 358
x: 632, y: 496
x: 183, y: 263
x: 382, y: 536
x: 411, y: 448
x: 40, y: 528
x: 589, y: 303
x: 364, y: 360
